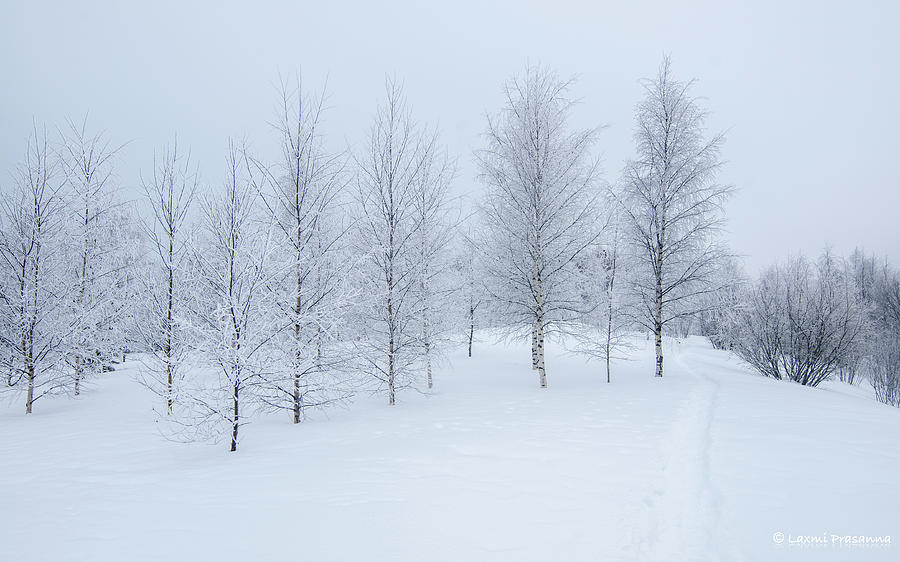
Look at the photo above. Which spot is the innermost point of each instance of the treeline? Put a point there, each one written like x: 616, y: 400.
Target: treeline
x: 311, y: 275
x: 809, y: 320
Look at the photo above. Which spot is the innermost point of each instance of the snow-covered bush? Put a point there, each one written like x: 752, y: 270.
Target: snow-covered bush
x: 801, y: 320
x: 884, y: 361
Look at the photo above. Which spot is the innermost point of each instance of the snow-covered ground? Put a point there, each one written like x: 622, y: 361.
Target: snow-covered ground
x: 709, y: 463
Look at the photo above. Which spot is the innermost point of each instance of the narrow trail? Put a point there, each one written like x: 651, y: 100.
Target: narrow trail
x: 683, y: 505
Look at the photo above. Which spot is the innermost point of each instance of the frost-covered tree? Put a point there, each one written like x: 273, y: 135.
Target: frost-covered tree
x: 97, y: 251
x: 884, y: 352
x: 303, y: 195
x: 232, y: 319
x: 472, y: 291
x: 885, y: 369
x: 539, y: 212
x: 433, y: 235
x: 673, y: 204
x: 719, y: 312
x: 34, y: 291
x: 112, y: 313
x: 863, y: 272
x: 125, y: 290
x: 607, y: 319
x: 169, y: 192
x: 801, y: 320
x: 396, y: 159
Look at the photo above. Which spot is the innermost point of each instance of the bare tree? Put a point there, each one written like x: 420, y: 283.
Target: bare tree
x: 231, y: 314
x: 98, y: 259
x: 34, y: 293
x: 469, y: 267
x: 673, y: 203
x: 169, y: 191
x: 608, y: 313
x: 719, y: 316
x: 540, y: 210
x: 388, y: 180
x: 864, y: 273
x: 304, y: 201
x: 433, y: 234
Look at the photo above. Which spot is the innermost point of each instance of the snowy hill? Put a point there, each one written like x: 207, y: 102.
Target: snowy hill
x: 709, y: 463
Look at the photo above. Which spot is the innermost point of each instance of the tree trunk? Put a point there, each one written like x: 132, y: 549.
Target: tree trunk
x: 608, y: 333
x: 318, y: 346
x: 319, y: 296
x: 390, y: 296
x: 425, y: 335
x: 32, y: 323
x: 610, y: 287
x: 390, y: 369
x: 471, y: 327
x: 540, y: 355
x: 428, y: 361
x: 657, y: 330
x: 390, y: 315
x: 78, y: 369
x: 29, y: 398
x: 534, y: 327
x: 295, y: 396
x: 607, y: 367
x: 235, y: 421
x: 169, y: 389
x: 170, y: 310
x: 29, y: 373
x: 539, y: 334
x: 658, y: 313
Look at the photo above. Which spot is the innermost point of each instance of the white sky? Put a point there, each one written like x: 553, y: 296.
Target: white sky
x: 809, y: 92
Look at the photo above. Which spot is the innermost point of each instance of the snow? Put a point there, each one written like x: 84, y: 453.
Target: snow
x: 707, y: 463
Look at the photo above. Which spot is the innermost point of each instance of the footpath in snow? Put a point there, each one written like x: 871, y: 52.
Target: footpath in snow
x: 710, y: 463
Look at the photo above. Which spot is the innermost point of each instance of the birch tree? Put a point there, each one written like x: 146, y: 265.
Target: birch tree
x: 433, y: 233
x: 540, y: 211
x: 98, y: 252
x: 169, y: 192
x: 231, y: 316
x: 608, y: 316
x: 673, y: 204
x: 34, y: 292
x: 388, y: 180
x: 473, y: 291
x: 303, y: 196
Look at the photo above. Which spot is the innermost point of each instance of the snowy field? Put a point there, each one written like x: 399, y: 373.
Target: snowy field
x: 709, y: 463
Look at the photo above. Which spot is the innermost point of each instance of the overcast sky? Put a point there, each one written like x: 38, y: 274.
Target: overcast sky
x: 808, y: 92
